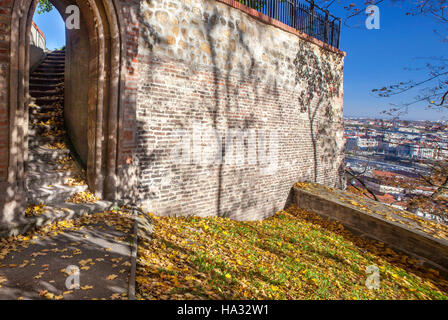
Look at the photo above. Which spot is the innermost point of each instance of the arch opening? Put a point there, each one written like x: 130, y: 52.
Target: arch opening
x: 92, y: 100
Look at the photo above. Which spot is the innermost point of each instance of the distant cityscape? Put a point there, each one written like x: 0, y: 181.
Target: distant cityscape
x: 391, y: 158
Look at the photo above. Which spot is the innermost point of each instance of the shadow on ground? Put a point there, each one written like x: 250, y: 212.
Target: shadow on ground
x: 36, y: 270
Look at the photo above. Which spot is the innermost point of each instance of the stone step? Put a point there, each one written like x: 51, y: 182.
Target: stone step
x: 36, y: 121
x: 52, y: 56
x: 36, y: 80
x: 47, y: 155
x: 44, y: 116
x: 46, y: 82
x: 55, y: 211
x: 55, y: 58
x: 38, y: 141
x: 46, y: 176
x: 49, y: 93
x: 51, y: 65
x: 44, y: 126
x: 55, y: 193
x: 49, y: 70
x: 34, y: 110
x: 47, y: 66
x: 52, y: 62
x: 37, y: 166
x: 45, y: 86
x: 39, y: 130
x: 46, y: 101
x: 56, y: 52
x: 47, y: 75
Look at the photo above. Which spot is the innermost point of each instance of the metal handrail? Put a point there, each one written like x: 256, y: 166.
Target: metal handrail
x: 302, y: 15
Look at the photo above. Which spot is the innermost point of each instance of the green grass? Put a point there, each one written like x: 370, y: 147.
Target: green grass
x: 293, y: 255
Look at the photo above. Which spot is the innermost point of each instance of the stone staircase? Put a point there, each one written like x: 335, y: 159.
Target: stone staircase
x: 52, y: 174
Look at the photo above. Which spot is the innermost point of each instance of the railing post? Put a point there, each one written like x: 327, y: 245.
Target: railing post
x: 339, y: 32
x: 327, y: 18
x: 293, y: 14
x: 311, y: 18
x: 331, y: 40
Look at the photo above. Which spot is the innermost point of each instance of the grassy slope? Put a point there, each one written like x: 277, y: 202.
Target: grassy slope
x: 293, y: 255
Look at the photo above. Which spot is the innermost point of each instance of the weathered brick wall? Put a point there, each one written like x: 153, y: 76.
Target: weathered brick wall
x: 204, y: 64
x: 4, y: 75
x: 130, y: 12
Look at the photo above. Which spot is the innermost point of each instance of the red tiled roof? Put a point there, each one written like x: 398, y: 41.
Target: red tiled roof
x: 387, y: 198
x: 384, y: 173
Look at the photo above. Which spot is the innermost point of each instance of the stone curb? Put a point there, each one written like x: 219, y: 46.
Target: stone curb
x: 134, y: 248
x: 144, y: 224
x: 432, y: 252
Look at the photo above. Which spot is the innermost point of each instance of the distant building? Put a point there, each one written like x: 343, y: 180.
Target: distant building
x: 423, y: 152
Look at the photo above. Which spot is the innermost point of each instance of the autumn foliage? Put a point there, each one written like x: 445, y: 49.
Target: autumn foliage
x: 293, y: 255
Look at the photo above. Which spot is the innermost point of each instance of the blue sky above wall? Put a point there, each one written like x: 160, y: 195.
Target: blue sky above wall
x: 52, y: 26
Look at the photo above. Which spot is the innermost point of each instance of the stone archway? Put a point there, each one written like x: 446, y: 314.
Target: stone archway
x: 102, y: 36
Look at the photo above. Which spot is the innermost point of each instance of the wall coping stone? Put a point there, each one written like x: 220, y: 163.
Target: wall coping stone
x: 38, y: 29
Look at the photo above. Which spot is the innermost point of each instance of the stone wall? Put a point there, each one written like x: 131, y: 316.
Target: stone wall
x: 37, y: 47
x: 77, y: 88
x: 4, y: 75
x: 213, y: 77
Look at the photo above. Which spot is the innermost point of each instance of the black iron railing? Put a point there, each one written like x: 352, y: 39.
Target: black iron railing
x: 302, y: 15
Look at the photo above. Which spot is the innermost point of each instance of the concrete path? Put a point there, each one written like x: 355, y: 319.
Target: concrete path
x: 36, y: 270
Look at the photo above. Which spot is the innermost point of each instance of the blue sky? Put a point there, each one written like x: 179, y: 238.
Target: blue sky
x: 53, y: 27
x: 375, y: 58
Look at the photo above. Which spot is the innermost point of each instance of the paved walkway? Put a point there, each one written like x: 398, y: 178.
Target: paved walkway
x: 35, y: 268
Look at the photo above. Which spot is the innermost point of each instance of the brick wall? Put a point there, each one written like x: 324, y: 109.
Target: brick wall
x: 127, y: 140
x: 4, y: 75
x: 209, y: 75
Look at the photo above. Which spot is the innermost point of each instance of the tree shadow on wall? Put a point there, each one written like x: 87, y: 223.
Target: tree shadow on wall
x: 209, y: 24
x: 319, y: 74
x: 232, y: 62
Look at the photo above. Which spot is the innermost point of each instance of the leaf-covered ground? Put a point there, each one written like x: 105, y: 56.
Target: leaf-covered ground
x: 293, y: 255
x: 34, y: 265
